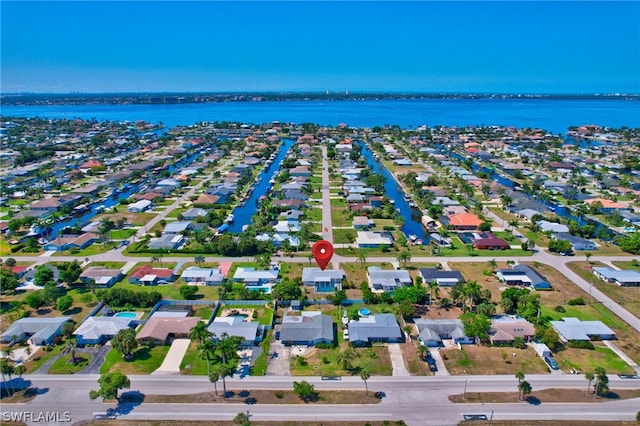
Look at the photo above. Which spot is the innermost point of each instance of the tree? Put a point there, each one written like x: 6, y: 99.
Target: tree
x: 7, y: 369
x: 70, y: 348
x: 365, y: 375
x: 206, y: 349
x: 345, y: 357
x: 199, y: 259
x: 362, y: 258
x: 110, y: 383
x: 602, y: 382
x: 242, y: 419
x: 589, y: 376
x: 70, y: 271
x: 20, y: 369
x: 492, y: 264
x: 199, y: 333
x: 434, y: 288
x: 588, y: 256
x: 188, y: 291
x: 524, y: 389
x: 125, y: 342
x: 287, y: 290
x: 423, y: 350
x: 304, y: 390
x: 43, y: 276
x: 8, y: 280
x: 404, y: 257
x: 406, y: 309
x: 64, y: 303
x: 213, y: 378
x: 519, y: 375
x: 35, y: 300
x: 224, y: 370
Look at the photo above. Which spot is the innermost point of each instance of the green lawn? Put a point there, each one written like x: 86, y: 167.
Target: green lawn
x: 587, y: 360
x: 63, y: 364
x: 344, y: 236
x: 313, y: 214
x: 122, y: 234
x: 93, y: 249
x: 592, y: 312
x: 192, y: 363
x: 260, y: 366
x: 324, y: 362
x: 144, y: 361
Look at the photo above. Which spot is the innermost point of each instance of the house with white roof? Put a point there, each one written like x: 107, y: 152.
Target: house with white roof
x: 375, y: 328
x: 254, y: 279
x: 39, y: 331
x: 97, y: 330
x: 309, y: 328
x: 623, y: 278
x: 325, y: 281
x: 139, y: 206
x: 203, y: 276
x: 369, y: 239
x: 251, y: 332
x: 575, y: 329
x: 433, y: 331
x: 387, y: 280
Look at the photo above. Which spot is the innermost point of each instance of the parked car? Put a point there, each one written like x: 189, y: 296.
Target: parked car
x: 551, y: 362
x: 432, y: 362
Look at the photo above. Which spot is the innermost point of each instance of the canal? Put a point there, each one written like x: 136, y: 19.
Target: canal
x: 412, y: 216
x: 242, y: 213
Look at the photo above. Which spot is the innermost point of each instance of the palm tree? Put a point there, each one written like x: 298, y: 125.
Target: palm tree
x: 404, y: 257
x: 422, y: 350
x: 525, y: 388
x: 520, y: 375
x: 213, y: 378
x: 205, y: 349
x: 345, y: 357
x: 434, y: 287
x: 589, y: 376
x: 362, y: 258
x: 511, y: 263
x: 364, y: 375
x: 513, y: 223
x: 199, y: 333
x: 472, y: 290
x: 70, y: 347
x: 223, y: 370
x: 588, y: 256
x: 155, y: 258
x: 492, y: 264
x: 199, y: 259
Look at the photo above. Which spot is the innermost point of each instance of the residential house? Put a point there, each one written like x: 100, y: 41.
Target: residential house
x: 623, y: 278
x: 139, y: 206
x: 506, y: 328
x: 285, y: 226
x: 370, y: 239
x: 103, y: 277
x: 523, y: 275
x: 203, y: 276
x: 166, y: 242
x: 375, y: 328
x: 194, y: 213
x: 442, y: 277
x: 433, y: 331
x: 162, y: 330
x: 148, y: 275
x: 309, y: 328
x: 68, y: 242
x: 546, y: 226
x: 489, y: 241
x: 461, y: 221
x: 574, y: 329
x: 251, y: 332
x: 577, y: 243
x: 97, y: 330
x: 387, y: 280
x: 293, y: 215
x: 38, y: 331
x: 363, y: 222
x: 323, y: 281
x: 254, y: 279
x: 438, y: 239
x: 177, y: 228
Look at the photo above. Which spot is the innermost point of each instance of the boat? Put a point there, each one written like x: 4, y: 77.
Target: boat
x: 413, y: 237
x: 229, y: 218
x: 100, y: 208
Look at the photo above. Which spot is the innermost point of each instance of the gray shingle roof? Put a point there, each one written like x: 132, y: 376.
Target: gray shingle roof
x: 308, y: 327
x: 375, y: 327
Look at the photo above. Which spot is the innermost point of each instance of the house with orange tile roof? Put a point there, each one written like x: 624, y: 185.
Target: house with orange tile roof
x: 461, y: 221
x: 607, y: 205
x: 90, y: 164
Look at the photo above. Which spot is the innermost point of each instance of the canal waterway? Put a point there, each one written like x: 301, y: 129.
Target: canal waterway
x: 413, y: 217
x: 242, y: 213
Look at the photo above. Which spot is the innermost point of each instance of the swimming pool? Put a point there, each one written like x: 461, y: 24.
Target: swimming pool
x: 466, y: 237
x: 126, y: 315
x: 364, y: 312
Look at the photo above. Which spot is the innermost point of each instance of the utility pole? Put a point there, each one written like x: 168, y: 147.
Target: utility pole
x: 464, y: 395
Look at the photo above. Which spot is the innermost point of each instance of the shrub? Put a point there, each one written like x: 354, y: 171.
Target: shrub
x: 279, y: 394
x: 559, y: 309
x: 576, y: 301
x: 301, y: 361
x: 580, y: 344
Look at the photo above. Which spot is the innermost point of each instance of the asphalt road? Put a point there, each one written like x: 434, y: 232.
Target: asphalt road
x: 417, y: 400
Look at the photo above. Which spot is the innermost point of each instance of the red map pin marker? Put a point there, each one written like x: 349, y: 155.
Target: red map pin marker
x: 322, y: 252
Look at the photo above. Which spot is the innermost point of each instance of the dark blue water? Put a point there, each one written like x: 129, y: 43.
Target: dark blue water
x: 242, y: 214
x: 413, y: 217
x: 554, y: 115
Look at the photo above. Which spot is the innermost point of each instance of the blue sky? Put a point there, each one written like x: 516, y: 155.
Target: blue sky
x: 506, y: 47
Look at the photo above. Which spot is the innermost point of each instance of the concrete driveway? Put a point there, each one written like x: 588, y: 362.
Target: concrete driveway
x: 397, y: 361
x: 279, y: 359
x: 171, y: 363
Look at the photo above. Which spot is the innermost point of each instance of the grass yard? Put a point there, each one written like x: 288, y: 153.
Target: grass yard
x: 192, y: 363
x: 122, y: 234
x: 412, y: 361
x: 587, y: 360
x: 145, y: 360
x: 137, y: 219
x: 63, y: 365
x: 627, y: 297
x: 260, y: 365
x: 356, y: 272
x: 312, y: 214
x: 475, y: 359
x: 324, y: 362
x: 340, y: 216
x: 344, y: 236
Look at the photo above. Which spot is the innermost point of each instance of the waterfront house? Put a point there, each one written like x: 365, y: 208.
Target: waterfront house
x: 577, y: 243
x: 166, y: 242
x: 370, y: 239
x: 68, y: 242
x: 387, y: 280
x: 177, y: 228
x: 488, y: 241
x: 139, y: 206
x: 309, y: 328
x: 194, y: 213
x: 362, y: 222
x: 375, y: 328
x: 461, y: 221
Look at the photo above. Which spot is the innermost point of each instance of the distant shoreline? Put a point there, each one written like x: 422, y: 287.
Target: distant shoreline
x: 223, y: 97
